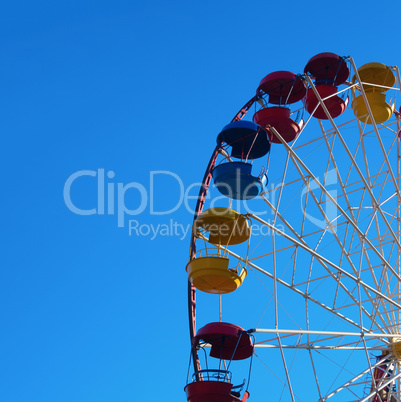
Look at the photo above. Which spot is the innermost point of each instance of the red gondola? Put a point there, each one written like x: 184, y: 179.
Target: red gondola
x: 329, y: 71
x: 228, y: 342
x: 280, y: 89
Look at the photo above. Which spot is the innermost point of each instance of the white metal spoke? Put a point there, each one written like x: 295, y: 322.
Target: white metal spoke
x: 324, y: 261
x: 343, y: 213
x: 352, y: 381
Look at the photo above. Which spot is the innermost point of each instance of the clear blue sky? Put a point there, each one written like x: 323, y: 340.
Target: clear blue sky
x: 89, y: 312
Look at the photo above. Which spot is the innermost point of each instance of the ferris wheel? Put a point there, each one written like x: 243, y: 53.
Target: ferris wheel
x: 294, y: 269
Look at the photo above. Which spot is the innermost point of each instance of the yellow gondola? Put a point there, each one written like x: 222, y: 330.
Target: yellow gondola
x: 225, y: 226
x: 211, y: 275
x: 376, y: 79
x: 209, y: 271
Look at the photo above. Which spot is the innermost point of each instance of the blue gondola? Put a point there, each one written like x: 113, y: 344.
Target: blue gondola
x: 234, y: 179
